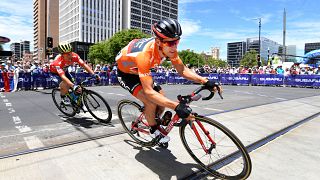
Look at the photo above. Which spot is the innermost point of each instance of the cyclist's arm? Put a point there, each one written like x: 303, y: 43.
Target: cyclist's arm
x: 143, y: 64
x: 154, y: 96
x: 84, y: 65
x: 87, y: 68
x: 188, y: 74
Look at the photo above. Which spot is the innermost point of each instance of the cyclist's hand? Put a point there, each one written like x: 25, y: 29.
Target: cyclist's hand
x: 76, y: 89
x: 98, y: 78
x: 182, y: 110
x: 213, y: 86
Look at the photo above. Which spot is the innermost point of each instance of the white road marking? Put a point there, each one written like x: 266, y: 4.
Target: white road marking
x: 11, y: 110
x: 193, y: 106
x: 33, y: 142
x: 281, y: 99
x: 120, y: 95
x: 5, y: 100
x: 214, y: 109
x: 24, y: 128
x: 8, y: 104
x: 16, y: 120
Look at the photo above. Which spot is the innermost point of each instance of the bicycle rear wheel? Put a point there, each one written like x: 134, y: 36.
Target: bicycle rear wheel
x: 134, y: 122
x: 97, y: 106
x: 68, y: 110
x: 226, y: 159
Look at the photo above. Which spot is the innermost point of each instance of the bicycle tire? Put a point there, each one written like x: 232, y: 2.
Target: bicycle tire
x: 62, y: 108
x: 219, y: 168
x: 89, y: 99
x: 128, y: 113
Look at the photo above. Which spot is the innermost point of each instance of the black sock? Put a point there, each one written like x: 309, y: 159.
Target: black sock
x: 153, y: 128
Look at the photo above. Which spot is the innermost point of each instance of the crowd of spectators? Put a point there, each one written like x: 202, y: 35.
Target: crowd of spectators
x: 296, y: 69
x: 293, y: 70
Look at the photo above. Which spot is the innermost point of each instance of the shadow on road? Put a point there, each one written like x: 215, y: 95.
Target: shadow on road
x: 162, y: 162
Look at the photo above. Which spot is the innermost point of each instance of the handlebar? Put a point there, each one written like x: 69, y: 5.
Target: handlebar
x: 195, y: 96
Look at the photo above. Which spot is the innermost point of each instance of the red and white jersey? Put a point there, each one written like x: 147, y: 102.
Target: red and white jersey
x: 60, y: 65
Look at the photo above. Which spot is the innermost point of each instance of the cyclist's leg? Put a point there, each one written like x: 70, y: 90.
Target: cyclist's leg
x: 132, y: 83
x: 64, y: 87
x: 159, y: 109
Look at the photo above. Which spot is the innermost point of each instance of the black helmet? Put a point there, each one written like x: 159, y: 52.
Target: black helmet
x: 167, y: 28
x: 64, y: 47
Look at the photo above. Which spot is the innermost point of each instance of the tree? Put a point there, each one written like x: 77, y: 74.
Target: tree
x: 191, y: 58
x: 106, y: 51
x: 249, y: 59
x: 216, y: 62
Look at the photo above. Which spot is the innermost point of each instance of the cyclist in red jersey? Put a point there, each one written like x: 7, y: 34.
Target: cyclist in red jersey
x: 139, y: 56
x: 60, y: 66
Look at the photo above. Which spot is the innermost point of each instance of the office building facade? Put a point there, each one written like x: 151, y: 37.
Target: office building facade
x: 267, y: 47
x: 311, y: 46
x: 235, y: 52
x: 141, y: 14
x: 89, y: 21
x: 215, y: 53
x: 20, y: 49
x: 45, y: 24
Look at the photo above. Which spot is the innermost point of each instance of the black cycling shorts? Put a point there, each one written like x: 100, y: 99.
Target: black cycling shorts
x: 132, y: 83
x: 68, y: 75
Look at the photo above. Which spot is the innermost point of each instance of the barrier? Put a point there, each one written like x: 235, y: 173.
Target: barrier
x: 27, y: 81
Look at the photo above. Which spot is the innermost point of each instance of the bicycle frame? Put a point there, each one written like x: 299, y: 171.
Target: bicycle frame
x: 173, y: 121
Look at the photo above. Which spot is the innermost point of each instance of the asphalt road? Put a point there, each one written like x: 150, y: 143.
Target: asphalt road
x: 29, y: 119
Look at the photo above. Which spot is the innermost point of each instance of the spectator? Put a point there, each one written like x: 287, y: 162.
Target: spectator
x: 280, y: 70
x: 317, y: 72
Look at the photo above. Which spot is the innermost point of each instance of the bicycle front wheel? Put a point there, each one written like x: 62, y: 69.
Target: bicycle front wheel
x: 134, y: 122
x: 225, y: 158
x: 68, y: 110
x: 97, y: 106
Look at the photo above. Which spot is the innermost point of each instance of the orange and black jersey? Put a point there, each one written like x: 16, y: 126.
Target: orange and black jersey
x: 140, y: 55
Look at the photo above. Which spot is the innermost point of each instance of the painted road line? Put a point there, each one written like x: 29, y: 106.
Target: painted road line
x: 23, y: 129
x: 120, y: 95
x: 214, y: 109
x: 33, y: 142
x: 193, y: 106
x: 282, y: 99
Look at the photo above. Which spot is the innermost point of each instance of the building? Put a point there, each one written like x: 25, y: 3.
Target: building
x: 20, y: 49
x: 141, y: 14
x: 215, y: 53
x: 311, y: 46
x: 267, y: 47
x: 89, y: 21
x: 45, y: 24
x: 235, y: 52
x: 16, y: 51
x: 86, y: 22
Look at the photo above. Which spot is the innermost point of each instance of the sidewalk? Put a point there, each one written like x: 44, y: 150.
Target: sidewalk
x: 117, y: 157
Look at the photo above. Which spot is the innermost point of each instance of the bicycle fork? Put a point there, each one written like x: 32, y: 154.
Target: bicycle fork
x: 193, y: 127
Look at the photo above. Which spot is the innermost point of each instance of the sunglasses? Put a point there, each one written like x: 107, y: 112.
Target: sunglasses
x: 170, y: 43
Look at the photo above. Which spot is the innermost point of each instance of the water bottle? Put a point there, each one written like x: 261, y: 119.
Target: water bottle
x: 166, y: 118
x: 74, y: 97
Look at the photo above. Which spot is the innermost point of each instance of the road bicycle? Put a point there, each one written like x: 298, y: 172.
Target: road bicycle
x: 213, y: 146
x: 94, y: 103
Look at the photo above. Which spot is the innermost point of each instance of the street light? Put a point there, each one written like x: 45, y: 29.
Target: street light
x: 259, y: 18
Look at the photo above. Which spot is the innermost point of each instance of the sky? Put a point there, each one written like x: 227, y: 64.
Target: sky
x: 205, y: 23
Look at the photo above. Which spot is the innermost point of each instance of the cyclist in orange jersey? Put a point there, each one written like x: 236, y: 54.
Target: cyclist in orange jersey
x: 139, y: 56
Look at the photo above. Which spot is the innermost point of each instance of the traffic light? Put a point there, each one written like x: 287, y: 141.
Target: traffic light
x: 49, y: 42
x: 258, y: 57
x: 258, y: 60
